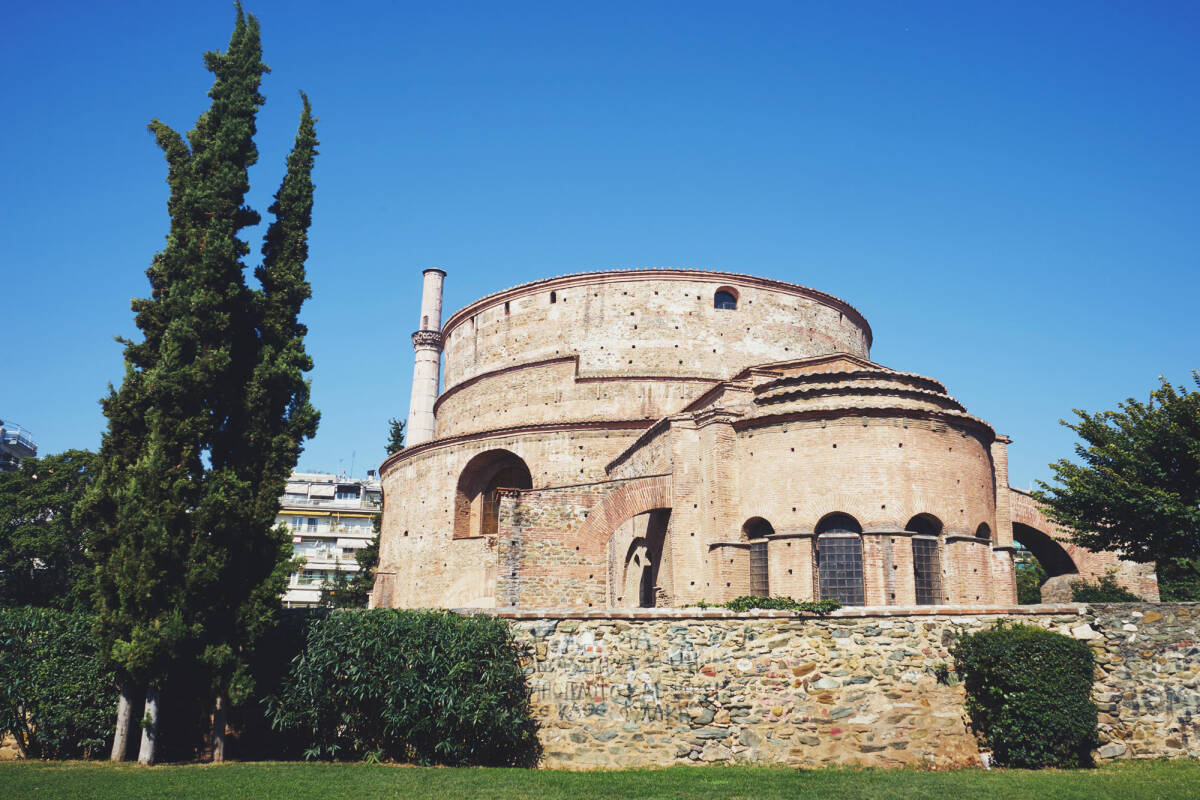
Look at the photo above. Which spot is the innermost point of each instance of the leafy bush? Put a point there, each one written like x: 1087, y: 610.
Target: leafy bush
x: 55, y: 697
x: 1030, y: 577
x: 428, y: 687
x: 1029, y: 694
x: 1106, y: 590
x: 749, y: 603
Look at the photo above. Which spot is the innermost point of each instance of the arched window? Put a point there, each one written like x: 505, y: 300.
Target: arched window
x: 477, y: 501
x: 756, y: 530
x: 839, y: 559
x: 983, y: 531
x: 553, y: 297
x: 725, y: 299
x: 927, y: 560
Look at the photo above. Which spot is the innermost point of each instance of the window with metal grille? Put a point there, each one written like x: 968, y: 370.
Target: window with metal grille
x: 760, y: 585
x: 927, y: 570
x: 725, y: 300
x: 839, y: 565
x: 756, y: 531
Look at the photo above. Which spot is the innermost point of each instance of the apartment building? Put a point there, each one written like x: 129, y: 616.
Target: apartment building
x: 330, y: 518
x: 15, y: 444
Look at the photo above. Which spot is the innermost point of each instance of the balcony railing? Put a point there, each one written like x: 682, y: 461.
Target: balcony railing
x: 18, y: 437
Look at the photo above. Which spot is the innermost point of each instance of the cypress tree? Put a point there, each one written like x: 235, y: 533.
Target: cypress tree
x: 212, y: 410
x: 269, y: 416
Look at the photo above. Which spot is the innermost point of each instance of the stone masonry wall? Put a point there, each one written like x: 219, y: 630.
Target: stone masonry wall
x: 688, y: 686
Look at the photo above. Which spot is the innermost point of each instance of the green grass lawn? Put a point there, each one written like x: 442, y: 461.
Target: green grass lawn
x: 96, y: 781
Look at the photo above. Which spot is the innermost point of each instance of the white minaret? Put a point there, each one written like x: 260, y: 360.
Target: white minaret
x: 427, y: 342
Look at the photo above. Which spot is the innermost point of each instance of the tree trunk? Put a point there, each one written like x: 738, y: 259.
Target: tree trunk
x: 124, y: 714
x: 149, y: 728
x: 218, y: 730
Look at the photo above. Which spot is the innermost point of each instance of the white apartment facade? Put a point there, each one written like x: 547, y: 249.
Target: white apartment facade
x: 330, y: 518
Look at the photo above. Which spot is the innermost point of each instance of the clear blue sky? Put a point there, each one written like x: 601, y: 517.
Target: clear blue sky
x: 1010, y: 192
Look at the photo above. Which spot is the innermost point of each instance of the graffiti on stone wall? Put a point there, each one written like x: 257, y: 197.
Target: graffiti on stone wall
x: 634, y: 680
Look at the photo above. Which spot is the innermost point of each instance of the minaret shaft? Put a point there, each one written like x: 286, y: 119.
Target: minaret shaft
x: 427, y: 344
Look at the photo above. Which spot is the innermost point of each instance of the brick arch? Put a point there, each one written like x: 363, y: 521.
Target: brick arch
x: 636, y: 497
x: 1026, y: 511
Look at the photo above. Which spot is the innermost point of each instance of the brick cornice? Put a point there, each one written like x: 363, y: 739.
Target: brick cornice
x: 883, y: 412
x: 516, y: 430
x: 855, y: 612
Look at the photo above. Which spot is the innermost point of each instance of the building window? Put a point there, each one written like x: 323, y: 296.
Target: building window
x: 312, y: 523
x: 983, y: 531
x: 553, y: 297
x: 839, y: 559
x: 347, y: 493
x: 756, y: 531
x: 927, y: 571
x: 725, y: 299
x: 927, y: 560
x: 297, y: 523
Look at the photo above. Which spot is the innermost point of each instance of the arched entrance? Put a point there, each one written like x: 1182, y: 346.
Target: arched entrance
x: 636, y: 559
x: 476, y: 500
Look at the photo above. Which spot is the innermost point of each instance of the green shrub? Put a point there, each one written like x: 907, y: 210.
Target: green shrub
x: 1029, y: 694
x: 748, y: 603
x: 1106, y: 590
x: 55, y: 697
x: 428, y: 687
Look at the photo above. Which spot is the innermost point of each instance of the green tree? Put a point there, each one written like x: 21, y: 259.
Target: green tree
x: 1137, y: 486
x: 395, y: 441
x: 255, y: 452
x: 1030, y: 577
x: 43, y: 546
x: 210, y: 416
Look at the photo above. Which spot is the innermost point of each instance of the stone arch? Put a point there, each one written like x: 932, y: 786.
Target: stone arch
x: 477, y: 500
x: 1030, y: 523
x: 1048, y: 543
x: 1053, y: 557
x: 636, y: 497
x: 924, y: 525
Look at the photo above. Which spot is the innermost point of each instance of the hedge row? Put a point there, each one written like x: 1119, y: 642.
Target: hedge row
x: 424, y: 687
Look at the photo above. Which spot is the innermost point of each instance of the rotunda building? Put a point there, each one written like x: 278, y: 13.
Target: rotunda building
x: 658, y: 437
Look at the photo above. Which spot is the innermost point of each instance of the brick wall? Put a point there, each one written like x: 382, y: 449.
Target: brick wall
x: 649, y: 322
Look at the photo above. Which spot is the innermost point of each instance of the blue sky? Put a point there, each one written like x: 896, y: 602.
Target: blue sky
x: 1010, y: 192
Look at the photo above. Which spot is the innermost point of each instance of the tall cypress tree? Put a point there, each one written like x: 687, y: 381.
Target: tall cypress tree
x: 212, y: 409
x: 257, y: 449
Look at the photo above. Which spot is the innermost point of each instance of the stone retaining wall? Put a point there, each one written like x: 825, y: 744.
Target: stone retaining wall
x: 669, y: 686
